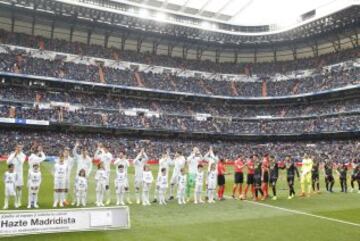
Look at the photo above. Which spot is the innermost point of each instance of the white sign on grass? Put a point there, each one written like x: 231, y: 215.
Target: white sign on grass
x: 22, y: 222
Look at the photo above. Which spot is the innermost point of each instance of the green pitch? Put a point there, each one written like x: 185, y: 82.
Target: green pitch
x: 226, y: 220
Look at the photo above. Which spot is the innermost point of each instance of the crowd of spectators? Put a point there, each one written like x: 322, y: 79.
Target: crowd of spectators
x: 114, y: 102
x: 119, y: 119
x: 58, y: 45
x: 54, y: 142
x: 325, y: 80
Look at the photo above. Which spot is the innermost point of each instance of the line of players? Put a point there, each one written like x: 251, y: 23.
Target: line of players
x: 188, y: 174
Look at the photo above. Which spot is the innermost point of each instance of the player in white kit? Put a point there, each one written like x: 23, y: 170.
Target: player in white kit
x: 211, y: 183
x: 18, y: 158
x: 199, y: 182
x: 164, y: 162
x: 139, y: 163
x: 162, y: 185
x: 33, y: 183
x: 146, y: 185
x: 60, y: 181
x: 123, y: 160
x: 179, y: 163
x: 10, y: 177
x: 83, y: 162
x: 121, y: 182
x: 69, y: 163
x: 81, y: 187
x: 101, y: 178
x: 181, y: 190
x: 37, y: 157
x: 193, y: 161
x: 211, y: 158
x: 103, y: 154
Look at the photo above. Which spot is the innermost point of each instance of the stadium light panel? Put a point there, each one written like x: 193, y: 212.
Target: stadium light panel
x: 161, y: 16
x: 144, y: 13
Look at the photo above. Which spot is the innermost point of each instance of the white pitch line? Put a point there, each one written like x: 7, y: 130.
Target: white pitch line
x: 304, y: 213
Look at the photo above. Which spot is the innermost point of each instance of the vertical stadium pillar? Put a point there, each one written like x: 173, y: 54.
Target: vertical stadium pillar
x: 236, y: 56
x: 123, y: 41
x: 88, y: 40
x: 354, y: 40
x: 184, y: 52
x: 155, y: 47
x: 71, y: 33
x: 170, y: 49
x: 52, y: 29
x: 12, y: 20
x: 199, y: 52
x: 294, y: 53
x: 106, y: 40
x: 138, y: 44
x: 217, y: 55
x: 315, y: 49
x: 275, y: 54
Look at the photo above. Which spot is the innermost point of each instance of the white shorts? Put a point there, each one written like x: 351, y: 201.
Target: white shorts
x: 181, y: 191
x: 60, y: 184
x: 198, y: 188
x: 34, y: 188
x: 174, y: 178
x: 80, y: 193
x: 10, y: 190
x: 138, y: 181
x: 146, y: 187
x: 19, y: 180
x: 162, y: 190
x: 211, y: 186
x: 100, y: 187
x: 120, y: 187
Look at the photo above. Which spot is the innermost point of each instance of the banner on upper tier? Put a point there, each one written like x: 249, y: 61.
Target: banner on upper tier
x: 22, y: 222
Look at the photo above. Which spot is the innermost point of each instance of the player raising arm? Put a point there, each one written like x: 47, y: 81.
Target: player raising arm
x: 17, y: 158
x: 139, y: 163
x: 193, y: 162
x: 37, y: 157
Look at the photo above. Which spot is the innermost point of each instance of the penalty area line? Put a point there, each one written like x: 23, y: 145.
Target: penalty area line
x: 304, y: 213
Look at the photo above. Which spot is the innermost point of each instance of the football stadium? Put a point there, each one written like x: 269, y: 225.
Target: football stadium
x: 179, y: 120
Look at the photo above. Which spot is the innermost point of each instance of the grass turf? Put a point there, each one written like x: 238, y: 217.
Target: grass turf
x: 227, y: 220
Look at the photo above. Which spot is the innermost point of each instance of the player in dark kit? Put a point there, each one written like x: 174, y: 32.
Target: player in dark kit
x: 355, y: 176
x: 258, y: 181
x: 291, y: 171
x: 342, y: 171
x: 250, y: 164
x: 265, y: 165
x: 315, y: 177
x: 274, y: 174
x: 329, y: 177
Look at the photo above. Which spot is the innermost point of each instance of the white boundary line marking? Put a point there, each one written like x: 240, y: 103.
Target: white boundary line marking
x: 303, y: 213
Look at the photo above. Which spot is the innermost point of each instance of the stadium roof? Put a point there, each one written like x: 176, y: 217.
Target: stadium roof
x: 242, y: 12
